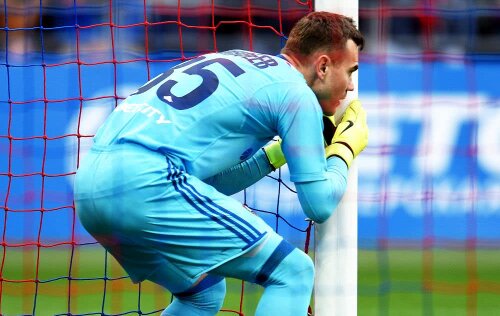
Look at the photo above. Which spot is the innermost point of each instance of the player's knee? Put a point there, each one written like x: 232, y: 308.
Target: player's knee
x: 295, y: 270
x: 215, y: 297
x: 301, y: 270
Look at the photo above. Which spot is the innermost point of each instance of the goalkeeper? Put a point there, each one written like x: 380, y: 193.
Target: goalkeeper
x: 155, y: 188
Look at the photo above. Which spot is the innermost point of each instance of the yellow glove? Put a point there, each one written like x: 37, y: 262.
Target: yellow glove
x: 275, y: 154
x: 350, y: 136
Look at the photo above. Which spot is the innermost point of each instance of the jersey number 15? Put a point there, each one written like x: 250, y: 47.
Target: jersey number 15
x: 208, y: 85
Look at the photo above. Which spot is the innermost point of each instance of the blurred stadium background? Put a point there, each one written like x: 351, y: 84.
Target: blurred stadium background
x: 429, y: 181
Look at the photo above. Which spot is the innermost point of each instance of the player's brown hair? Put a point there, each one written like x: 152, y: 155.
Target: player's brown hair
x: 322, y: 31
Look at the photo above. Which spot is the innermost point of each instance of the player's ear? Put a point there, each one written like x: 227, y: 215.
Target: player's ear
x: 322, y: 63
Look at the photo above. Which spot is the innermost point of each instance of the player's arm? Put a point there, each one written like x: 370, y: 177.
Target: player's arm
x: 248, y: 172
x: 342, y: 144
x: 319, y: 199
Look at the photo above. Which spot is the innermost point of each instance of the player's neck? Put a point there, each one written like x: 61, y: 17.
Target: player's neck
x: 292, y: 60
x: 299, y: 65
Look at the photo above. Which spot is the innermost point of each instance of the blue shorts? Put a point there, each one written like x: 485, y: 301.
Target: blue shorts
x: 157, y: 220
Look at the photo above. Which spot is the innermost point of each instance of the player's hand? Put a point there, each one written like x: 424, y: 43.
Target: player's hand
x: 351, y: 135
x: 275, y: 154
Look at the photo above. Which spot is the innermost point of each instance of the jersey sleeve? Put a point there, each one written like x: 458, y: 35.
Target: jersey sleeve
x: 300, y: 126
x: 242, y: 175
x: 320, y: 198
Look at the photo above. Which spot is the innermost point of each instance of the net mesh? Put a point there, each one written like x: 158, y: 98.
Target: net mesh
x: 64, y: 65
x: 428, y: 182
x: 428, y: 186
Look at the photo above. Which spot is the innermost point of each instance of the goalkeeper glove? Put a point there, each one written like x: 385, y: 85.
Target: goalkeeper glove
x: 350, y: 137
x: 274, y: 154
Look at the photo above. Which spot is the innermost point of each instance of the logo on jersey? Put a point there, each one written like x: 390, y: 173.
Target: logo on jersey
x: 143, y: 108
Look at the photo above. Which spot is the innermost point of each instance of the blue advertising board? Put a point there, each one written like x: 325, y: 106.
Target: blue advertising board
x: 431, y: 168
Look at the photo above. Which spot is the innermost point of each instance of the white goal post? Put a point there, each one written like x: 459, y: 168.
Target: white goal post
x: 336, y: 240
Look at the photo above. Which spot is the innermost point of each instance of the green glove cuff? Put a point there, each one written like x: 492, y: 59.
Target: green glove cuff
x: 342, y: 151
x: 275, y: 154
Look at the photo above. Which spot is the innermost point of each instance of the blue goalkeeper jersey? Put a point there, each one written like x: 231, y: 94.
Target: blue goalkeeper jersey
x: 215, y: 111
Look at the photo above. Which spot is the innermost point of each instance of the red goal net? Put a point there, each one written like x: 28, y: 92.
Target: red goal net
x: 64, y: 65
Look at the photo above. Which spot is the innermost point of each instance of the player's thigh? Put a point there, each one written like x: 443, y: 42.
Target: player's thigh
x: 197, y: 228
x: 249, y: 265
x: 227, y: 211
